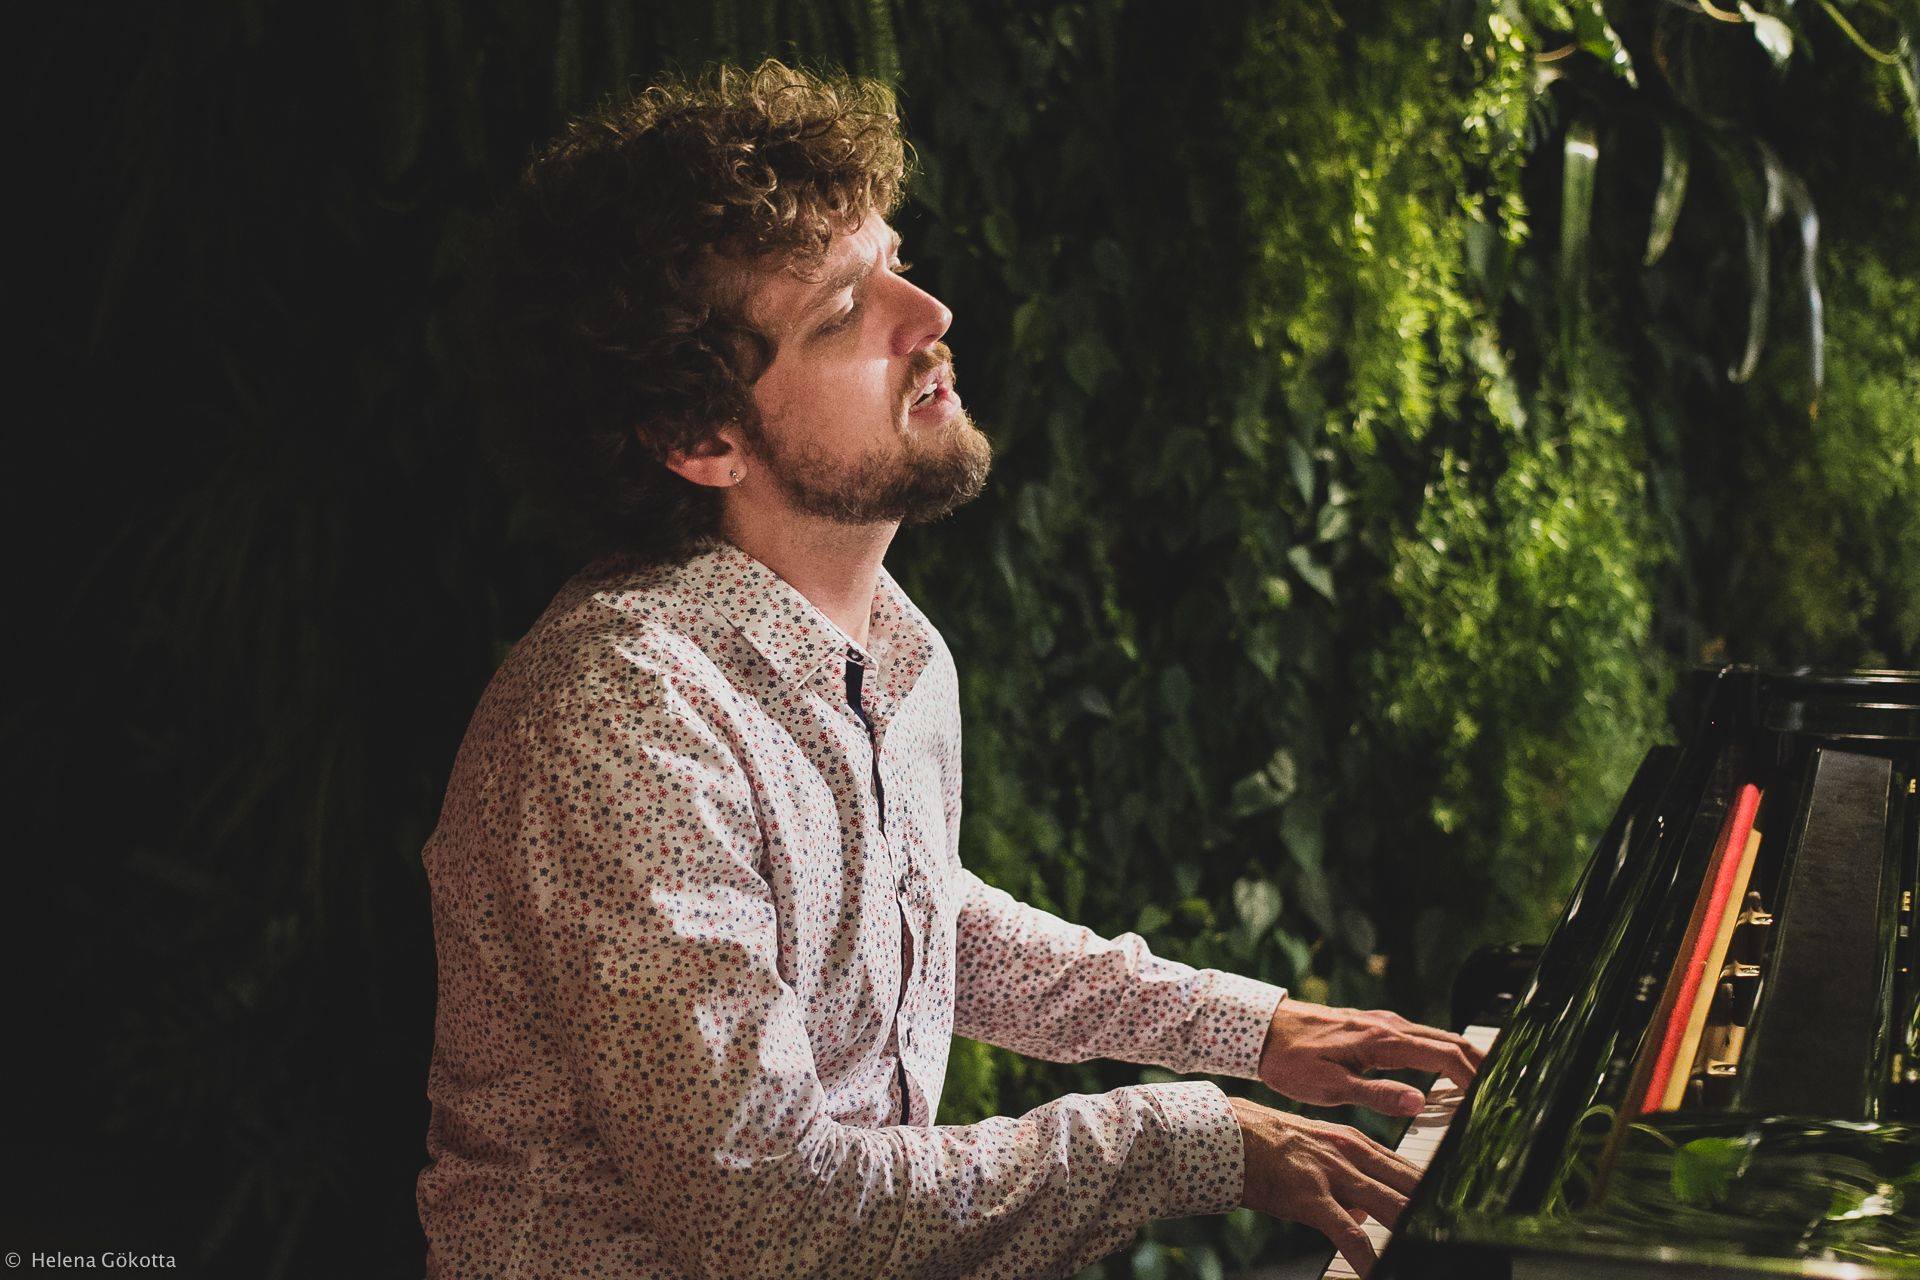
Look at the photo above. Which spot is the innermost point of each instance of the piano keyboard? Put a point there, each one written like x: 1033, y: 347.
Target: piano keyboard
x: 1419, y: 1143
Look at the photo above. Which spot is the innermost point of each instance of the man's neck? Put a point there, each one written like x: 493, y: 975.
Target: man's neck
x: 835, y: 566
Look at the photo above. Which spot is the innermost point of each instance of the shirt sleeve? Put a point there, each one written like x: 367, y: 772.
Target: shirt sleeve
x: 1038, y: 985
x: 656, y: 938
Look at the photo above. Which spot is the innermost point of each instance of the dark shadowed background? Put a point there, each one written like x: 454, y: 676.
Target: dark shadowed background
x: 1388, y: 401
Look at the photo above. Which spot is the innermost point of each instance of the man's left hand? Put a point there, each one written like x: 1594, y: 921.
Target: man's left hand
x: 1319, y: 1055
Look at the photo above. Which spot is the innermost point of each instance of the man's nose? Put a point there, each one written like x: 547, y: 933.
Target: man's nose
x: 924, y: 321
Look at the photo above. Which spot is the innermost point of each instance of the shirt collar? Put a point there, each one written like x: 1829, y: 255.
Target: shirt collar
x: 796, y: 638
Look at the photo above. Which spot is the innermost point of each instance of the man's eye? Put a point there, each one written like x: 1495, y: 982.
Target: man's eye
x: 845, y: 318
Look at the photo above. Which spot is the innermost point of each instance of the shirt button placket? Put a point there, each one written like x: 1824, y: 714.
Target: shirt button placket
x: 902, y: 1032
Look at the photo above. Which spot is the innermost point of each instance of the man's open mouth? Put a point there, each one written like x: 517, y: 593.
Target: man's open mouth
x: 930, y: 390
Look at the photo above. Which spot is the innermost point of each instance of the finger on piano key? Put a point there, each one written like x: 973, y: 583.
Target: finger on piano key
x: 1419, y: 1144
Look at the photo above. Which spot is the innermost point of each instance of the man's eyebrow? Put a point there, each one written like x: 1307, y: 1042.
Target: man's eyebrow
x: 851, y: 278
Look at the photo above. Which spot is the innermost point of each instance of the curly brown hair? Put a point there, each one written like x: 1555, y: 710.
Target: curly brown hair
x: 618, y: 286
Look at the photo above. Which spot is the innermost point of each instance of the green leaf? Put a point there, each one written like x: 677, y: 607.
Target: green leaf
x: 1152, y: 919
x: 1302, y: 831
x: 1073, y: 888
x: 1258, y: 792
x: 1756, y: 204
x: 1094, y: 702
x: 1853, y: 1202
x: 1311, y: 571
x: 1301, y: 465
x: 1031, y: 510
x: 1088, y: 359
x: 1283, y: 773
x: 1186, y: 879
x: 1909, y: 77
x: 1063, y: 32
x: 1193, y: 914
x: 1150, y: 1261
x: 1582, y: 152
x: 1704, y: 1169
x: 1316, y: 898
x: 1001, y: 233
x: 1257, y: 903
x: 1246, y: 1233
x: 1596, y: 35
x: 1027, y: 321
x: 1675, y: 161
x: 1775, y: 36
x: 1249, y: 431
x: 1262, y: 649
x: 1204, y: 1262
x: 1486, y: 254
x: 1299, y: 955
x: 1334, y: 524
x: 1807, y: 222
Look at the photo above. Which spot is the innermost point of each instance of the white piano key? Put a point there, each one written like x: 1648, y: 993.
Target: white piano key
x: 1419, y: 1144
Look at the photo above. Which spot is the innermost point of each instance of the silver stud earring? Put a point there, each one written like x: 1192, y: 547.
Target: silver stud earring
x: 733, y: 475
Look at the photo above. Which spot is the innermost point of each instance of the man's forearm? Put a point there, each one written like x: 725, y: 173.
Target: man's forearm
x: 1038, y: 985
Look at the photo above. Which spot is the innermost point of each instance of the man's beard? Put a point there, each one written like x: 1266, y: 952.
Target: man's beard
x: 937, y: 469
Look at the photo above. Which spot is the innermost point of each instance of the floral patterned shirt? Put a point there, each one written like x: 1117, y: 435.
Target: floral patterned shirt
x: 704, y: 937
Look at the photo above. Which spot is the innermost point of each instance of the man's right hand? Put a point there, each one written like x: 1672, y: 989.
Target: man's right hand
x: 1329, y: 1176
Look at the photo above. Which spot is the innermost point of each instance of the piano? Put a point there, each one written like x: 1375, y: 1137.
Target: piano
x: 1712, y: 1066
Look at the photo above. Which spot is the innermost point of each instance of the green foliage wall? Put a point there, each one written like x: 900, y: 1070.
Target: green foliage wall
x: 1359, y: 487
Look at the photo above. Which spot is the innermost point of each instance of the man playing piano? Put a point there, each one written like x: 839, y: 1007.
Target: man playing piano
x: 703, y: 934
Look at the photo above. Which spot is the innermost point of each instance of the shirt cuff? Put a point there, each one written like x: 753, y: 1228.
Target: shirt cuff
x: 1230, y: 1026
x: 1204, y: 1157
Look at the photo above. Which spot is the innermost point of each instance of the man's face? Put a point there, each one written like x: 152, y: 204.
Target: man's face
x: 848, y: 430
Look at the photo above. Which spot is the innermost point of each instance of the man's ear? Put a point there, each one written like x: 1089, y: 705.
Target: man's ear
x: 718, y: 462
